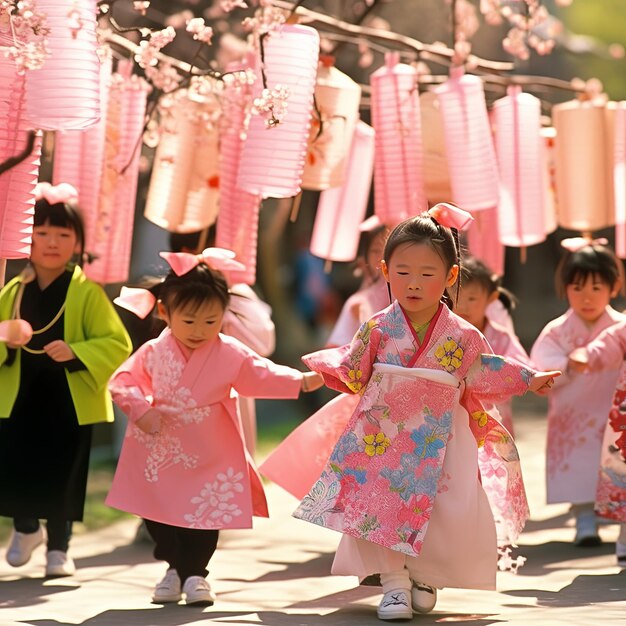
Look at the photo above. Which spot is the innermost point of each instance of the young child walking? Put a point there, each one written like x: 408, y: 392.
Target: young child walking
x: 589, y: 275
x: 480, y: 288
x: 184, y: 467
x: 402, y: 484
x: 53, y: 382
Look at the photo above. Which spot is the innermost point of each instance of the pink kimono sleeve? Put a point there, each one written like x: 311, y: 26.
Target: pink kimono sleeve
x: 608, y: 349
x: 131, y: 385
x: 259, y: 377
x: 348, y: 368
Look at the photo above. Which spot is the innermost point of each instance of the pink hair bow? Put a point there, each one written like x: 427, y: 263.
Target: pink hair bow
x: 136, y: 300
x: 451, y: 216
x: 216, y: 258
x: 574, y: 244
x: 63, y: 192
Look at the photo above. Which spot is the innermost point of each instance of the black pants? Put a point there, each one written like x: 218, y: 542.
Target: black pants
x: 187, y: 550
x: 59, y: 531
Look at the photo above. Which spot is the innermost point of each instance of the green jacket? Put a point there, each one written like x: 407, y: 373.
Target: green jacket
x: 98, y: 338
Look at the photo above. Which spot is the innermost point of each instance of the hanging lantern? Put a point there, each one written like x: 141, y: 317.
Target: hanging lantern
x: 582, y: 180
x: 184, y: 187
x: 335, y: 114
x: 548, y: 175
x: 17, y: 184
x: 436, y: 169
x: 272, y: 162
x: 469, y: 144
x: 517, y: 121
x: 398, y: 176
x: 65, y: 93
x: 619, y: 179
x: 340, y: 210
x: 483, y: 240
x: 238, y: 220
x: 113, y: 233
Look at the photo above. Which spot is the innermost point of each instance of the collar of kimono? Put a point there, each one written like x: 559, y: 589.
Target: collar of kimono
x: 450, y: 216
x: 421, y: 344
x: 574, y: 244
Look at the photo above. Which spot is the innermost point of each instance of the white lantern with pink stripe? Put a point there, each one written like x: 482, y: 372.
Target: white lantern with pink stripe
x: 469, y: 144
x: 483, y: 240
x: 398, y: 172
x: 619, y: 178
x: 272, y: 162
x: 340, y: 210
x: 548, y: 140
x: 517, y: 121
x: 65, y: 92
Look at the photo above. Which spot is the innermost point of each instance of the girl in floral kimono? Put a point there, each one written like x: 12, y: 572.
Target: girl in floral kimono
x: 184, y: 466
x: 480, y: 287
x: 402, y: 484
x: 589, y: 276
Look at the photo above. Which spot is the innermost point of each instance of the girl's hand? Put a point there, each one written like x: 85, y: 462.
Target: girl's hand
x: 150, y: 422
x: 59, y: 351
x: 542, y: 382
x: 578, y: 360
x: 15, y: 333
x: 311, y: 381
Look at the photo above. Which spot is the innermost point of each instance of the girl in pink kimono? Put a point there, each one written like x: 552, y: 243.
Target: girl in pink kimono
x: 402, y: 484
x: 589, y: 276
x: 184, y: 466
x: 480, y: 287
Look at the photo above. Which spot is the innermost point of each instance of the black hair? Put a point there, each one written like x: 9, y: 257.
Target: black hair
x: 185, y: 242
x: 596, y: 260
x: 424, y: 229
x: 198, y: 286
x: 365, y: 243
x: 475, y: 271
x: 63, y: 215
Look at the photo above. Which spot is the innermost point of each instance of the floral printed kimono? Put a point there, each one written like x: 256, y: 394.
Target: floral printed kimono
x: 196, y: 473
x: 578, y: 407
x: 402, y: 483
x: 608, y: 352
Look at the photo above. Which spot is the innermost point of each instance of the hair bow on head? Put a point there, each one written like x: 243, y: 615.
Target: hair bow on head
x: 63, y: 192
x: 450, y: 216
x: 136, y: 300
x: 574, y: 244
x: 216, y: 258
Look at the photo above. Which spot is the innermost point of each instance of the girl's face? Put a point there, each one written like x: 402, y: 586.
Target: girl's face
x: 589, y: 298
x: 473, y: 302
x: 194, y: 326
x: 417, y: 277
x: 53, y: 247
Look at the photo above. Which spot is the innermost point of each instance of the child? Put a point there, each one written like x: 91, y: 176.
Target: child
x: 480, y: 287
x: 589, y: 275
x: 183, y: 466
x: 53, y: 383
x: 402, y: 482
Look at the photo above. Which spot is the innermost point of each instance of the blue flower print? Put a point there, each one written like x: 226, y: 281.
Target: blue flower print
x: 395, y: 324
x: 444, y: 422
x: 359, y: 475
x: 526, y: 375
x: 492, y: 361
x: 428, y: 442
x: 346, y: 445
x: 402, y: 480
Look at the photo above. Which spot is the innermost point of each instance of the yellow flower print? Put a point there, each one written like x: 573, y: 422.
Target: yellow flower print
x: 481, y: 417
x: 450, y: 355
x: 355, y: 384
x: 375, y: 445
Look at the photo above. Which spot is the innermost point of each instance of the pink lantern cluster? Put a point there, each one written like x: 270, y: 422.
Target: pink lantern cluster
x: 619, y: 179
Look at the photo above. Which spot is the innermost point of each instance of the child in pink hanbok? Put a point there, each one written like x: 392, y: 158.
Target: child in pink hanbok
x: 402, y: 484
x: 184, y: 466
x: 589, y: 276
x: 480, y: 287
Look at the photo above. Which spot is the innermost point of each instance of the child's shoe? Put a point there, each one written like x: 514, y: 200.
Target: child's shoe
x: 587, y: 530
x: 423, y: 597
x: 395, y: 605
x: 22, y: 545
x: 198, y: 591
x: 58, y: 564
x: 168, y: 588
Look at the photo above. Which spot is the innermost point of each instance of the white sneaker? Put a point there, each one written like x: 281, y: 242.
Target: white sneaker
x: 59, y: 564
x: 22, y: 545
x: 198, y: 591
x: 423, y: 597
x: 395, y: 605
x: 587, y: 530
x: 168, y: 588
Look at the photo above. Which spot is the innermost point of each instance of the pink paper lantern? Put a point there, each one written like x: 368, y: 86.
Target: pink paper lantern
x: 469, y: 144
x: 517, y: 120
x: 238, y: 219
x: 336, y: 112
x: 619, y: 179
x: 398, y: 176
x: 17, y: 184
x: 65, y: 93
x: 483, y: 240
x: 340, y: 210
x: 113, y: 233
x: 272, y: 162
x: 585, y: 197
x: 548, y: 141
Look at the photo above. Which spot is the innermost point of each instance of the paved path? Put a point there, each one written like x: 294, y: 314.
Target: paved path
x: 277, y: 575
